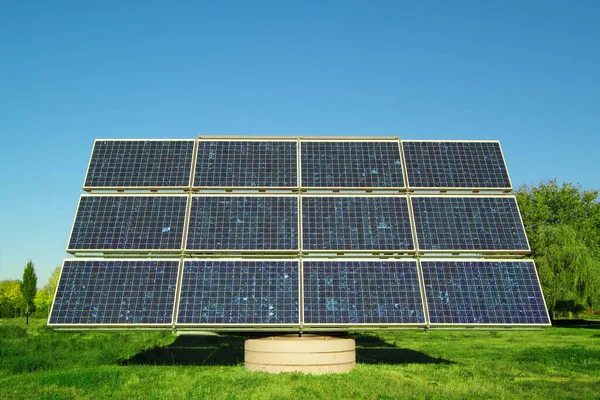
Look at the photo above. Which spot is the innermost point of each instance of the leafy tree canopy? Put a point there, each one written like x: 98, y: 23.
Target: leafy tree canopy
x: 563, y: 227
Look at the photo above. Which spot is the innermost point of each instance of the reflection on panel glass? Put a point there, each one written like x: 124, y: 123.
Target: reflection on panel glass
x: 239, y: 292
x: 129, y: 223
x: 246, y: 164
x: 455, y: 165
x: 140, y: 163
x: 351, y: 164
x: 115, y: 292
x: 483, y: 292
x: 362, y: 292
x: 243, y: 223
x: 356, y: 223
x: 468, y: 223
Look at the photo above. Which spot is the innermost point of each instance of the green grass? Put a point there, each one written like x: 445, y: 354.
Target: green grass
x: 556, y: 363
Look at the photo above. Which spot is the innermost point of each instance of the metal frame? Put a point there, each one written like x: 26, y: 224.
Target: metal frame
x: 197, y: 188
x: 488, y: 325
x: 350, y: 139
x: 368, y: 251
x: 90, y: 189
x: 112, y: 326
x: 324, y: 325
x: 463, y: 251
x: 463, y: 189
x: 216, y: 252
x: 126, y: 251
x: 252, y: 326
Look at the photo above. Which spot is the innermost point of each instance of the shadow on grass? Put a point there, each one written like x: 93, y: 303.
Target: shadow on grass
x: 577, y: 323
x: 372, y: 350
x: 229, y: 350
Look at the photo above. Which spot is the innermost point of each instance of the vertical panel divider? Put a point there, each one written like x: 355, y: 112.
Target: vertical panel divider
x: 423, y: 292
x: 403, y: 162
x: 194, y: 164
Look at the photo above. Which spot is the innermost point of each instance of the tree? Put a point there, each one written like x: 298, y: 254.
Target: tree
x: 11, y: 299
x: 28, y: 289
x: 44, y: 296
x: 563, y: 227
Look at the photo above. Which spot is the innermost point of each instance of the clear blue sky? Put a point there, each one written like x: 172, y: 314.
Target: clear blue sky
x: 523, y: 72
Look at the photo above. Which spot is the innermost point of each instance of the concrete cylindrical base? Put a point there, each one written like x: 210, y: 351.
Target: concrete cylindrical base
x: 308, y: 354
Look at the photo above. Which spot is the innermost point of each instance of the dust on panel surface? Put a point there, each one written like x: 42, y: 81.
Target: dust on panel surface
x: 455, y: 165
x: 115, y: 292
x: 140, y: 163
x: 356, y: 223
x: 129, y: 222
x: 483, y: 292
x: 239, y: 292
x: 468, y: 223
x: 359, y: 164
x: 362, y: 292
x: 246, y: 163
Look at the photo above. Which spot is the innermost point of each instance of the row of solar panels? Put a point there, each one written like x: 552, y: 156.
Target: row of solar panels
x: 217, y: 223
x: 308, y: 293
x: 296, y: 163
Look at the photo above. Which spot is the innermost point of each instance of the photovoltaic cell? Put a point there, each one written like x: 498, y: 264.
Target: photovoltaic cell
x: 115, y: 292
x: 358, y: 164
x: 140, y: 163
x: 246, y: 163
x: 243, y: 223
x: 362, y: 292
x: 455, y: 165
x: 129, y: 223
x: 483, y: 292
x: 239, y: 292
x: 468, y: 223
x: 356, y: 223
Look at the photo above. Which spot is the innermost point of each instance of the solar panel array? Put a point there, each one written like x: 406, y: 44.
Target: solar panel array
x: 297, y: 234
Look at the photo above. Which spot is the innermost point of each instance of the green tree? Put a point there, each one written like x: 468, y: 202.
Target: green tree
x: 12, y: 303
x: 44, y: 296
x: 563, y: 227
x: 28, y: 289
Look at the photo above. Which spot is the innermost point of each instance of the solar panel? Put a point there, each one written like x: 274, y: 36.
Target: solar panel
x: 476, y: 292
x: 356, y: 223
x: 465, y: 165
x: 265, y: 223
x: 246, y: 163
x: 257, y: 292
x: 362, y: 292
x: 469, y: 224
x: 351, y: 164
x: 115, y: 292
x: 140, y: 164
x: 128, y: 222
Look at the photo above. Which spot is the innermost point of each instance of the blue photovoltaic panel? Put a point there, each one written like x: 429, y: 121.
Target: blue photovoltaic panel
x: 468, y: 224
x: 140, y: 163
x: 246, y: 163
x: 455, y: 165
x: 362, y: 292
x: 115, y: 292
x: 483, y: 292
x: 239, y: 292
x: 351, y: 164
x: 356, y: 223
x: 243, y: 223
x: 129, y: 223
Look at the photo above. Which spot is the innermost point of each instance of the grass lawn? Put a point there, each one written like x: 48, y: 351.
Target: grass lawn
x: 556, y: 363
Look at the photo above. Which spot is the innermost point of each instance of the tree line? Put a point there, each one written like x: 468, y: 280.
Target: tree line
x: 562, y: 223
